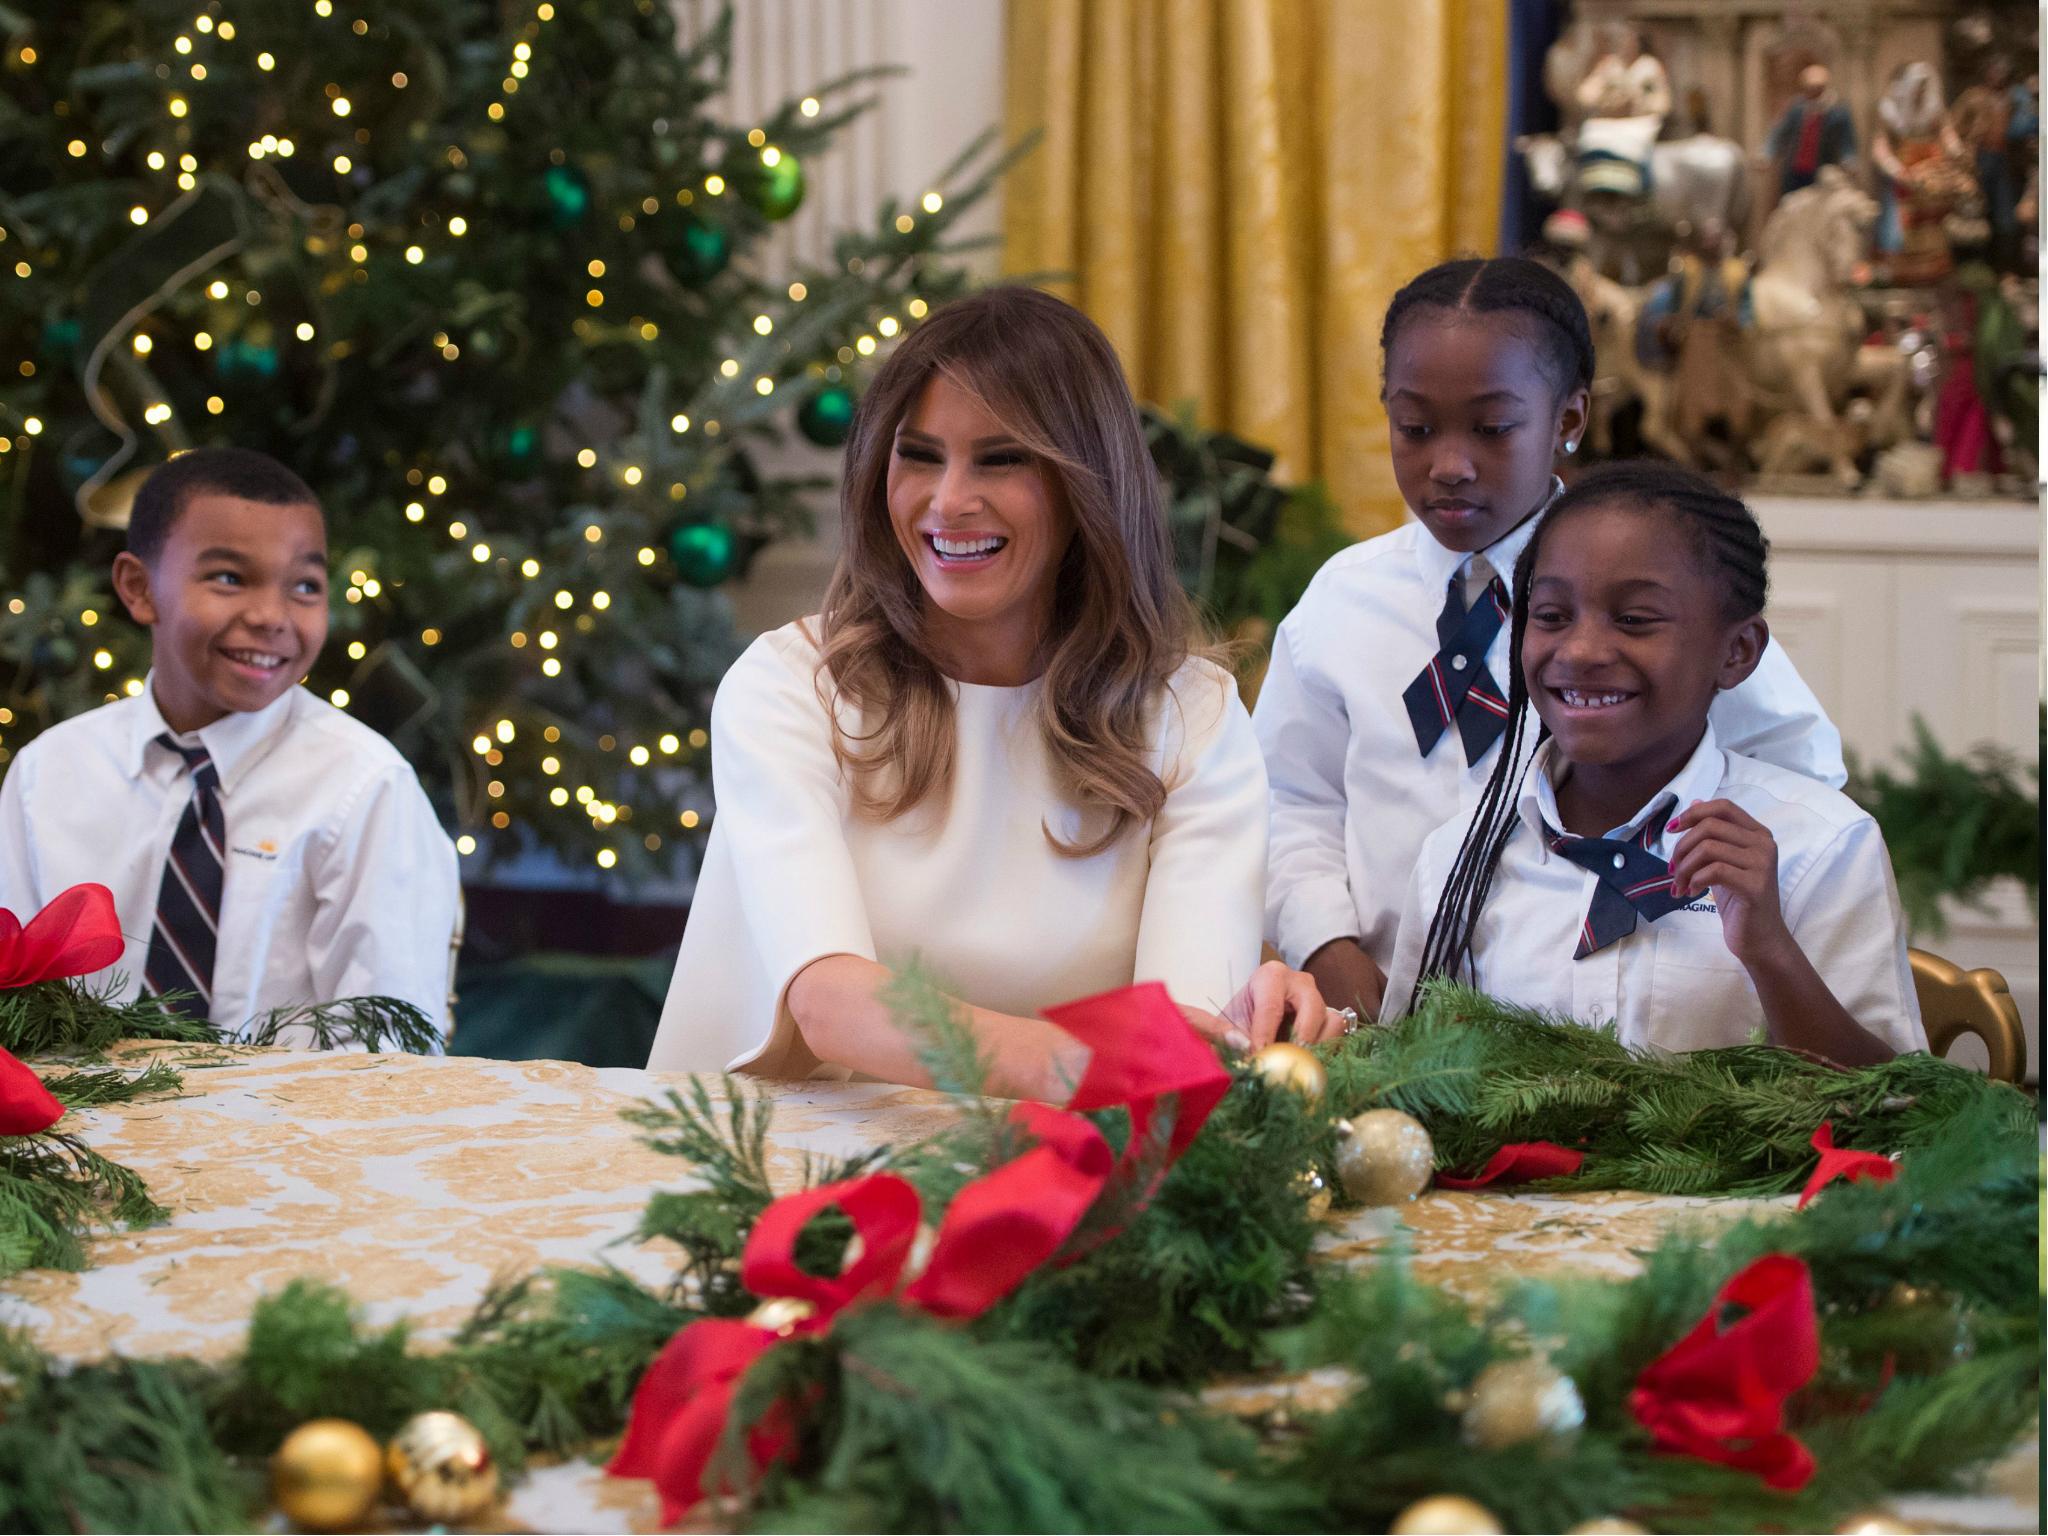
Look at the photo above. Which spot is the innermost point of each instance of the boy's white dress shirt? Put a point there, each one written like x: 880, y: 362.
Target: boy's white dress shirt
x: 338, y: 882
x: 1352, y: 799
x: 1672, y: 983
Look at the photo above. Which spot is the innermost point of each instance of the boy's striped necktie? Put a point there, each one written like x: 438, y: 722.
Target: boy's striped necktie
x: 1455, y: 685
x: 182, y: 943
x: 1632, y: 881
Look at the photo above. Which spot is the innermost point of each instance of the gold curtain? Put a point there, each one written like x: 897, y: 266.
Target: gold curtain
x: 1234, y: 189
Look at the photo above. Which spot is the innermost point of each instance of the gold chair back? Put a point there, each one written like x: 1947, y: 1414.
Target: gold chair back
x: 454, y: 951
x: 1956, y: 1002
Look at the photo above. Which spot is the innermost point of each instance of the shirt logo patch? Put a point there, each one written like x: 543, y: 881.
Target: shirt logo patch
x: 1701, y: 904
x: 265, y: 851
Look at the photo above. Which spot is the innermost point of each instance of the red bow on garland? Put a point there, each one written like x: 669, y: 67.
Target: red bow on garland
x: 77, y: 933
x: 1518, y: 1163
x: 1719, y: 1393
x: 1843, y: 1163
x: 996, y: 1231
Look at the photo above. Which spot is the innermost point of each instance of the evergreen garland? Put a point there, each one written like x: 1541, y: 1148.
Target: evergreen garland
x: 1065, y: 1407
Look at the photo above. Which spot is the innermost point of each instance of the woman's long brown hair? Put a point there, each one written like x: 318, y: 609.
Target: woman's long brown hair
x: 1120, y: 624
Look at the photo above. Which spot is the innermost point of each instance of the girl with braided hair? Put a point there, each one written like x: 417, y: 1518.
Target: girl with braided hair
x: 1626, y: 866
x: 1382, y: 712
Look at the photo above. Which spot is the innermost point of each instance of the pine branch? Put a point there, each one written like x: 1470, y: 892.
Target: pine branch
x: 81, y: 1019
x: 373, y: 1023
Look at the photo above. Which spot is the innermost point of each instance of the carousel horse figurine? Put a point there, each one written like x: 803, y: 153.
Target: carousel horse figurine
x: 1805, y: 350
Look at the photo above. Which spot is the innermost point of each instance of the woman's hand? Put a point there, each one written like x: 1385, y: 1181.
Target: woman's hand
x: 1277, y: 998
x: 1728, y: 851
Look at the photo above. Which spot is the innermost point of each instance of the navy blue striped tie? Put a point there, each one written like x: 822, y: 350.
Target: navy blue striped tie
x: 1455, y: 684
x: 187, y: 927
x: 1631, y: 882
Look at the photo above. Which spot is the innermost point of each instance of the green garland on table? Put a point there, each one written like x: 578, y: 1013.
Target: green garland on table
x: 54, y: 1188
x: 1067, y: 1406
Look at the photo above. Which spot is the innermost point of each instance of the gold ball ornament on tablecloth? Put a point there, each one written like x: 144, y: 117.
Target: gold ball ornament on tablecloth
x: 1284, y: 1064
x: 781, y: 1314
x: 1608, y: 1525
x: 1513, y: 1401
x: 1315, y: 1190
x: 1384, y: 1157
x: 327, y: 1475
x: 442, y: 1467
x: 1445, y: 1514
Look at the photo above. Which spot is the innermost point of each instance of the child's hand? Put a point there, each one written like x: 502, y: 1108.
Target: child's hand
x: 1727, y: 850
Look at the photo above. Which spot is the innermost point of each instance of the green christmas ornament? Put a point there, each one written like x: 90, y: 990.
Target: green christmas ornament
x: 827, y: 417
x: 702, y: 252
x: 568, y: 195
x: 704, y: 553
x: 60, y: 342
x: 242, y: 359
x: 773, y: 191
x: 516, y: 446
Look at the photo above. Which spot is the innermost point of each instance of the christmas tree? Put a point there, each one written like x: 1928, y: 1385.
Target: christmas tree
x: 482, y: 275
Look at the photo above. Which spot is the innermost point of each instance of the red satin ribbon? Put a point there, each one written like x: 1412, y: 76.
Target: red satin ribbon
x: 996, y: 1231
x: 1719, y: 1393
x: 77, y: 933
x: 25, y: 1104
x: 1518, y: 1163
x: 1843, y: 1163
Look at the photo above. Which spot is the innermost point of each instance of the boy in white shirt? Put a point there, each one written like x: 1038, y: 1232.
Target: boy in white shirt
x: 1382, y: 711
x: 264, y: 849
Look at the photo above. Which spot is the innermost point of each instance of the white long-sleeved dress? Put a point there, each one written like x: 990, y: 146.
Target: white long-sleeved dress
x: 971, y: 887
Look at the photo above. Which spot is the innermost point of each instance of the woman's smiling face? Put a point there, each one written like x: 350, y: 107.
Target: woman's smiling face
x: 979, y: 519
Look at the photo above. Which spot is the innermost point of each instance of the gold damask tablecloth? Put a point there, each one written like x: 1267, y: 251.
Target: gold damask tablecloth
x: 412, y: 1182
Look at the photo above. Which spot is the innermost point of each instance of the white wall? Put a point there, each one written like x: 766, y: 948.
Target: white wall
x: 949, y: 91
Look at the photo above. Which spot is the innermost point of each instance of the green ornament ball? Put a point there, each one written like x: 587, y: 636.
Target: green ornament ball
x: 516, y: 446
x: 241, y: 359
x: 827, y: 417
x: 774, y: 191
x: 705, y: 554
x: 60, y: 342
x: 702, y: 252
x: 568, y: 195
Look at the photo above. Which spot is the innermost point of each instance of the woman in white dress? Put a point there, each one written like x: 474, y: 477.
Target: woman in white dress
x: 997, y: 752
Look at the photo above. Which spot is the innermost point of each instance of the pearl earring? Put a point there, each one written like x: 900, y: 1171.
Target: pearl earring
x: 1571, y: 447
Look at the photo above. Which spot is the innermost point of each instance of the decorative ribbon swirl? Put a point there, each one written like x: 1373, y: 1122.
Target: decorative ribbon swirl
x: 1843, y: 1163
x: 995, y: 1232
x: 1719, y: 1393
x: 77, y: 933
x: 1518, y: 1163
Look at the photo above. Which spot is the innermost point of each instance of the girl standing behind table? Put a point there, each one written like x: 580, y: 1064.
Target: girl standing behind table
x: 996, y: 751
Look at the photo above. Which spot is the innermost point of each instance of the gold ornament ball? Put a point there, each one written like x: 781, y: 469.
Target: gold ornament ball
x: 1384, y: 1157
x: 781, y: 1314
x: 327, y: 1475
x: 1293, y: 1067
x: 1315, y: 1190
x: 1608, y: 1525
x: 1445, y: 1514
x: 441, y: 1466
x: 1518, y: 1400
x: 1876, y: 1523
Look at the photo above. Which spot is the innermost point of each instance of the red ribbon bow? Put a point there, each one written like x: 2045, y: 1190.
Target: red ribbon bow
x: 996, y: 1231
x: 1843, y: 1163
x: 77, y: 933
x: 1518, y: 1163
x: 1719, y: 1393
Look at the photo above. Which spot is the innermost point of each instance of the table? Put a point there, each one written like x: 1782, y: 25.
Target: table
x: 412, y: 1182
